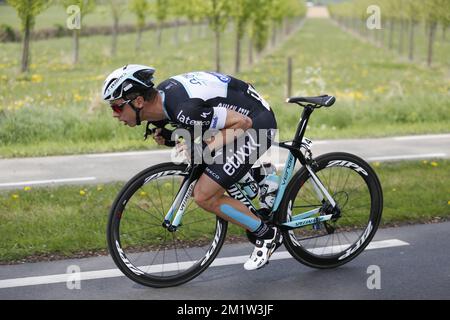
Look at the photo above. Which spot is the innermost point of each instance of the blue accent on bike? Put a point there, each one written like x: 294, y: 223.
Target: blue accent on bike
x: 240, y: 217
x: 305, y: 222
x: 286, y: 176
x: 305, y: 215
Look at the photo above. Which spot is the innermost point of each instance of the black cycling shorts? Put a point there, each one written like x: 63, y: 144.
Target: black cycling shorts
x: 235, y: 159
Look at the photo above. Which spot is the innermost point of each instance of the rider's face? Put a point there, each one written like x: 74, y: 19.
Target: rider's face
x: 125, y: 114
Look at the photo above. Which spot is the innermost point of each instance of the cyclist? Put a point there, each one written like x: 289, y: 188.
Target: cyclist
x: 211, y: 101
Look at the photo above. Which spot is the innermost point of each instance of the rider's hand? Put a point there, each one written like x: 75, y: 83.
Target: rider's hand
x: 182, y: 150
x: 158, y: 137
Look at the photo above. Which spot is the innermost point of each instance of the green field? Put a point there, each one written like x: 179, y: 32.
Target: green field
x: 41, y: 223
x: 56, y: 108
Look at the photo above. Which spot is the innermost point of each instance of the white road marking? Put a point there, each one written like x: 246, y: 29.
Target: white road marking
x: 112, y: 273
x: 35, y: 182
x: 427, y: 136
x: 127, y: 154
x: 408, y: 156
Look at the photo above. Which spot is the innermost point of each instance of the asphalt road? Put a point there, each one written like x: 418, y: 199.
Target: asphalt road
x: 411, y: 262
x: 108, y: 167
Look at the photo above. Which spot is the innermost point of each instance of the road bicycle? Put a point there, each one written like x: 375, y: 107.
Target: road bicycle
x: 328, y: 211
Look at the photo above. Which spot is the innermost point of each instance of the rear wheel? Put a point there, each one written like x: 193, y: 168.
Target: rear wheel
x: 355, y: 187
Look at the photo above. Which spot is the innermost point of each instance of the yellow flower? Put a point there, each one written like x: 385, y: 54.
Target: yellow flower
x: 77, y: 97
x: 434, y: 164
x: 376, y: 164
x: 448, y: 202
x: 27, y: 188
x: 82, y: 192
x: 15, y: 196
x: 424, y: 161
x: 99, y: 188
x: 142, y: 193
x: 36, y: 78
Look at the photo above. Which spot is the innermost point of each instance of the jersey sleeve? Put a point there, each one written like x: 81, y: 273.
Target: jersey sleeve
x: 195, y: 112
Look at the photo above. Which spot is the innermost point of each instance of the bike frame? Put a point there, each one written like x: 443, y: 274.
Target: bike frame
x: 178, y: 207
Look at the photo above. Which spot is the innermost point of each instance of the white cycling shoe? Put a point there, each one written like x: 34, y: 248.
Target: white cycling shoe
x: 263, y: 250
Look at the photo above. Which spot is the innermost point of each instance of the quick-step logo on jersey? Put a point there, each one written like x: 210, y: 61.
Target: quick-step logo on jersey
x: 186, y: 120
x: 204, y: 115
x: 236, y: 160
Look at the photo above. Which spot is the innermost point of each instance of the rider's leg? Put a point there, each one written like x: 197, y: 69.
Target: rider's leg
x: 210, y: 196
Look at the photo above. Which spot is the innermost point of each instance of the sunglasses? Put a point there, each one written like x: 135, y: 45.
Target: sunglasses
x: 119, y: 107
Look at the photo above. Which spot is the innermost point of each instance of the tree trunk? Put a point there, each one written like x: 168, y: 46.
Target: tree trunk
x: 177, y: 33
x: 26, y: 46
x: 159, y: 35
x: 76, y: 45
x: 217, y: 36
x: 274, y: 36
x: 250, y: 52
x: 115, y: 32
x: 412, y: 26
x: 237, y: 65
x: 139, y: 38
x: 391, y: 34
x: 431, y: 34
x: 400, y: 42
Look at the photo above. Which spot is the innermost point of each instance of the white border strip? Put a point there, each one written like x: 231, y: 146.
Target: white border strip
x: 408, y: 156
x: 112, y: 273
x: 36, y: 182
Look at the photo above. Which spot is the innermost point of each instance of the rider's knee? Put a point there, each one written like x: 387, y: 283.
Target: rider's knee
x: 202, y: 199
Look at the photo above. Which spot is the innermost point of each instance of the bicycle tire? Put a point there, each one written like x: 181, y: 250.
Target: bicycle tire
x: 135, y: 205
x: 298, y: 243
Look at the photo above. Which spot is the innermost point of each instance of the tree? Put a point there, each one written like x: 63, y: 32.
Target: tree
x: 27, y: 10
x: 217, y: 13
x: 140, y: 8
x: 413, y: 10
x: 85, y: 7
x: 240, y: 12
x: 161, y: 16
x: 194, y: 10
x: 117, y: 8
x: 434, y: 12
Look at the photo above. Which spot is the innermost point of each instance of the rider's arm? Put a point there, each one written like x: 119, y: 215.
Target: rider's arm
x: 235, y: 126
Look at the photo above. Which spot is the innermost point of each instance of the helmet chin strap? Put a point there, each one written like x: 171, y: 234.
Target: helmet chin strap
x: 137, y: 112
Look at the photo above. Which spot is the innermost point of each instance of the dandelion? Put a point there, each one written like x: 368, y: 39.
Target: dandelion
x: 434, y: 164
x: 425, y: 162
x: 36, y: 78
x: 448, y: 202
x: 82, y: 193
x: 27, y: 188
x: 77, y: 97
x: 15, y: 196
x: 142, y: 193
x: 99, y: 188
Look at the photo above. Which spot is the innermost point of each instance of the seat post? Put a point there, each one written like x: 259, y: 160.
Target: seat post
x: 302, y: 126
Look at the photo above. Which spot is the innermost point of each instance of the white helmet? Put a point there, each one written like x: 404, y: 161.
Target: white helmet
x: 127, y: 79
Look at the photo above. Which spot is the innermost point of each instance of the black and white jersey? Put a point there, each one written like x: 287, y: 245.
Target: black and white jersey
x: 202, y: 98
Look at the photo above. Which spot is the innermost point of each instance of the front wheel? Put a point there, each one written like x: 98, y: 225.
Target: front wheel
x: 146, y: 251
x: 355, y: 187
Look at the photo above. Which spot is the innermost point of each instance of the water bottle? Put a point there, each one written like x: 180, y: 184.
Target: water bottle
x: 268, y: 191
x: 249, y: 185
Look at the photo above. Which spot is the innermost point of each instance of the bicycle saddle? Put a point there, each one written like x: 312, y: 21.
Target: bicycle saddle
x: 323, y: 101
